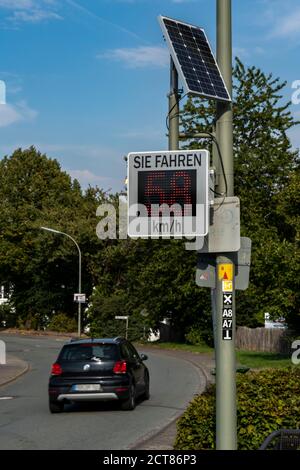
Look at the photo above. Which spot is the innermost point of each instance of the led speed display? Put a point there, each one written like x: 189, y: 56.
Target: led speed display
x: 168, y: 193
x: 170, y: 187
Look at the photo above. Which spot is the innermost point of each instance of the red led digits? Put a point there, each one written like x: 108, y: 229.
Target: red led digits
x: 154, y: 192
x: 172, y: 187
x: 181, y: 193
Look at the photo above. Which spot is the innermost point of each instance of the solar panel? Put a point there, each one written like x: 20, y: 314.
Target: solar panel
x: 194, y: 60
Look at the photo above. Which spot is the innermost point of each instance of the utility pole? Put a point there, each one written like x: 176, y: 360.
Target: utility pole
x: 79, y: 289
x: 223, y: 292
x: 226, y: 427
x: 173, y: 108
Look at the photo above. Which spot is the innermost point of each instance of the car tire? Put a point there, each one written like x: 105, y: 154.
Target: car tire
x: 56, y: 407
x: 146, y: 394
x: 130, y: 403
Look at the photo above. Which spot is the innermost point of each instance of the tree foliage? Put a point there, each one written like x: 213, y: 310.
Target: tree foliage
x: 128, y: 277
x: 266, y: 178
x: 42, y: 267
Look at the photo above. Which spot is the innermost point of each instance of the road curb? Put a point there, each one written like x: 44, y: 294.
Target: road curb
x: 166, y: 435
x: 22, y: 368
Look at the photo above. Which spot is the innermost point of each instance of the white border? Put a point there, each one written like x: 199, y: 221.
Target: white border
x: 133, y: 186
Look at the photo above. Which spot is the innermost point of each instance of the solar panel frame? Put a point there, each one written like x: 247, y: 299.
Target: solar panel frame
x: 207, y: 88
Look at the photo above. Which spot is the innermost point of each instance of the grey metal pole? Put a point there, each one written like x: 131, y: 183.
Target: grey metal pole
x: 173, y: 108
x: 224, y: 126
x: 226, y: 426
x: 79, y: 280
x: 79, y: 292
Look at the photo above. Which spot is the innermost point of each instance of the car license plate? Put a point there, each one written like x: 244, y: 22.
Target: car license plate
x: 87, y: 388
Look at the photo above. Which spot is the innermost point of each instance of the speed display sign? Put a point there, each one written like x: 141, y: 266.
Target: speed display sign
x: 168, y: 193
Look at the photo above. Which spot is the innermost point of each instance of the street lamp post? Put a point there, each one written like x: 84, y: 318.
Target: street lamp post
x: 79, y: 271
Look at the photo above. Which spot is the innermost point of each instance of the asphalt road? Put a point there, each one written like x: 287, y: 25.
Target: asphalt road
x: 25, y: 422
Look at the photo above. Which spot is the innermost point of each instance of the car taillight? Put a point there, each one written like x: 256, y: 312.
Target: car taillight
x: 120, y: 367
x: 56, y: 369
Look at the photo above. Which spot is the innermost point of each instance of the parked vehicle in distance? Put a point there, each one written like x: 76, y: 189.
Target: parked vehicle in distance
x: 278, y: 323
x: 98, y: 370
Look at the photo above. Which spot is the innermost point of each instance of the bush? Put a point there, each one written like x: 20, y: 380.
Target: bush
x: 198, y: 335
x: 193, y: 336
x: 62, y: 323
x: 8, y: 318
x: 110, y: 328
x: 267, y: 401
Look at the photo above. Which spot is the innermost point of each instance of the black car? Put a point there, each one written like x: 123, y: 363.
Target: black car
x: 98, y: 370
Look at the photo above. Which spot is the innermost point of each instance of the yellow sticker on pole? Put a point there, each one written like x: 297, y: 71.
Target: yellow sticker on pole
x: 227, y: 286
x: 225, y: 272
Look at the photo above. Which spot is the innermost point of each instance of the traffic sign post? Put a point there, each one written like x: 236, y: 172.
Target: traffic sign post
x: 222, y: 241
x: 124, y: 317
x: 226, y: 425
x: 173, y: 108
x: 80, y: 298
x: 168, y: 195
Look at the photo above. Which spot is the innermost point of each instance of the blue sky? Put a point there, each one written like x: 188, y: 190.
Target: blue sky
x: 86, y: 80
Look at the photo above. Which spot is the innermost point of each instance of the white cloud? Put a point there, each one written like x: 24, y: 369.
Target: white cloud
x: 2, y: 92
x: 11, y: 114
x: 85, y: 11
x: 147, y: 133
x: 259, y: 50
x: 16, y: 4
x: 244, y: 53
x: 32, y: 11
x: 297, y: 115
x: 34, y: 16
x: 12, y: 82
x: 138, y: 57
x: 8, y: 115
x: 13, y: 89
x: 26, y: 112
x: 86, y: 177
x: 93, y: 152
x: 286, y: 24
x: 294, y: 135
x: 72, y: 152
x: 240, y: 52
x: 81, y: 152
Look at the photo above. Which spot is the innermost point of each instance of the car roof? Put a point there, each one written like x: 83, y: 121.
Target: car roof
x: 116, y: 340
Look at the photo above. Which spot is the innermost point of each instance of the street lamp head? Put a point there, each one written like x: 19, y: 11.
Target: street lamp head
x: 50, y: 229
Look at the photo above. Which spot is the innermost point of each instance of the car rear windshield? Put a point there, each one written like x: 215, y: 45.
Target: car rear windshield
x: 84, y: 352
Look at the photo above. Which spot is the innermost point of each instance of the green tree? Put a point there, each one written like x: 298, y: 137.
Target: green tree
x: 264, y: 165
x: 160, y: 275
x: 43, y: 268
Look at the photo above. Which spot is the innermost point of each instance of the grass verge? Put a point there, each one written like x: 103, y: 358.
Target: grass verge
x: 262, y: 360
x: 254, y: 360
x: 201, y: 348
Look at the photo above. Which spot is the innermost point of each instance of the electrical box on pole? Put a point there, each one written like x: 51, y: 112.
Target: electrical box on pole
x: 224, y: 227
x: 206, y: 267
